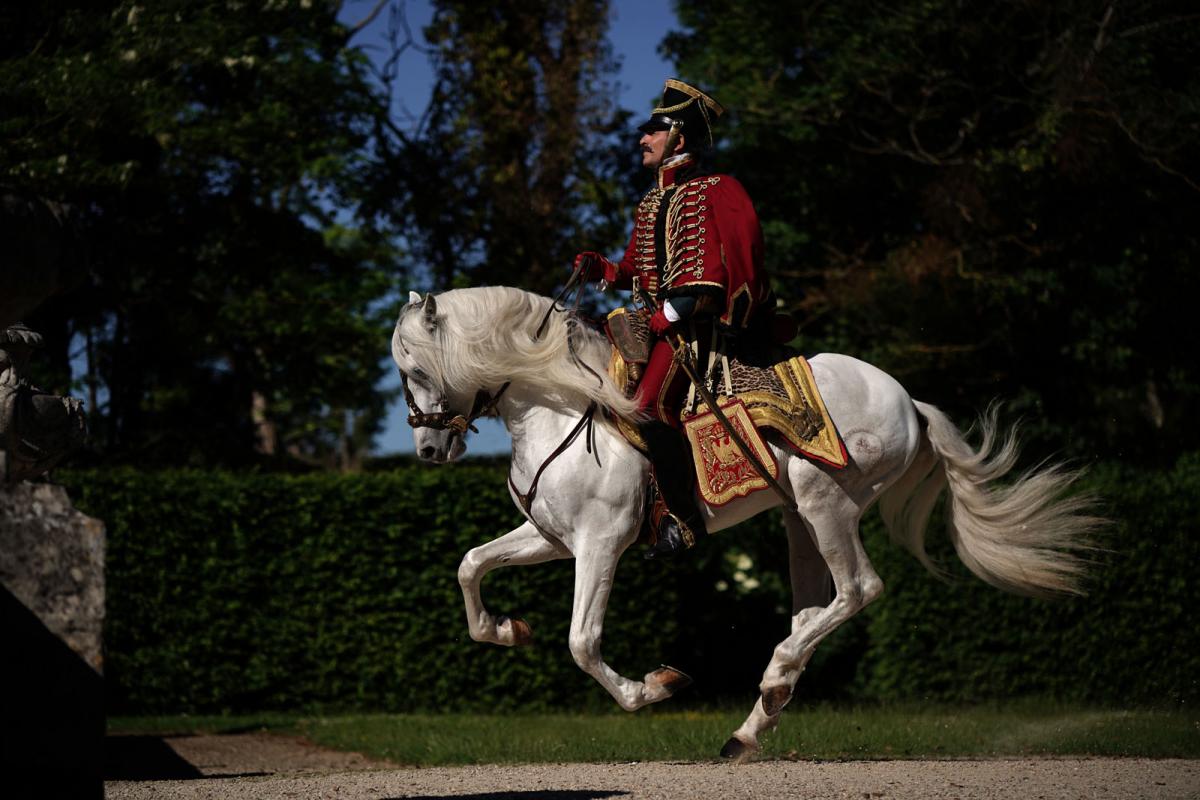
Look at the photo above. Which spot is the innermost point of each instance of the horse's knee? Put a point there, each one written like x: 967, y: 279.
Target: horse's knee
x: 468, y: 569
x: 585, y: 650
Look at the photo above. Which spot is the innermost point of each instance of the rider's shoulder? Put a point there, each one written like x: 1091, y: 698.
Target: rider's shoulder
x: 718, y: 182
x: 721, y: 189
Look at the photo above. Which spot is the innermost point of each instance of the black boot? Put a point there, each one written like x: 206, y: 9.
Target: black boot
x: 671, y: 459
x: 672, y: 537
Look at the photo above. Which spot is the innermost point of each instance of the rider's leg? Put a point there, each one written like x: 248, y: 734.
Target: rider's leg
x: 660, y: 394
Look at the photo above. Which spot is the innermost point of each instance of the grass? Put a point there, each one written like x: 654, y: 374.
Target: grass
x: 805, y: 733
x: 184, y: 724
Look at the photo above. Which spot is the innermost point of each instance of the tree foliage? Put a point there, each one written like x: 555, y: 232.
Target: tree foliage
x: 247, y: 197
x: 992, y: 199
x: 211, y: 149
x: 513, y: 164
x: 986, y: 199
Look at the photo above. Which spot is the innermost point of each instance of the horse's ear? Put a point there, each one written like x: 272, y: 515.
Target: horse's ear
x: 429, y: 309
x: 414, y: 298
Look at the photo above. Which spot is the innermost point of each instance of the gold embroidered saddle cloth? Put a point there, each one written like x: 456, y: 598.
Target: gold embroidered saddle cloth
x: 780, y: 401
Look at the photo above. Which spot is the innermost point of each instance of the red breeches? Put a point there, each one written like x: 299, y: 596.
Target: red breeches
x: 663, y: 385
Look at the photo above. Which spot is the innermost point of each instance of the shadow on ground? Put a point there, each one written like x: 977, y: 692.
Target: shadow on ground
x: 144, y: 758
x: 543, y: 794
x: 150, y: 758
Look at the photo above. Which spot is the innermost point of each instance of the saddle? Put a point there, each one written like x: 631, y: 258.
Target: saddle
x: 774, y: 398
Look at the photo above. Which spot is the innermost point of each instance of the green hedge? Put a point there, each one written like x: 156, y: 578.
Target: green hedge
x: 255, y: 592
x: 250, y: 592
x: 1131, y: 640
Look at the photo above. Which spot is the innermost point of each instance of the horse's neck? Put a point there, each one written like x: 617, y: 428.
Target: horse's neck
x: 536, y: 428
x: 520, y: 415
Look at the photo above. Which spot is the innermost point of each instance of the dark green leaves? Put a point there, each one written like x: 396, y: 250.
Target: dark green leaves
x: 987, y: 199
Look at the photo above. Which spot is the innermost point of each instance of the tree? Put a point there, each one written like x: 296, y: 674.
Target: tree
x: 213, y: 150
x: 513, y: 164
x: 987, y: 199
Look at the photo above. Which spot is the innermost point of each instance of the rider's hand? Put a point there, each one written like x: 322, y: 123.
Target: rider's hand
x: 659, y: 324
x: 596, y: 266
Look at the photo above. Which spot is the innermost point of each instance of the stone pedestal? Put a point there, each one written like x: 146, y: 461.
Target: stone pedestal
x: 51, y: 655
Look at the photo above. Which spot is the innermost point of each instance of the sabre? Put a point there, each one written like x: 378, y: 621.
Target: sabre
x: 683, y: 355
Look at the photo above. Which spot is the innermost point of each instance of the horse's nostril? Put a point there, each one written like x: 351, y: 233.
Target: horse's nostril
x: 427, y: 452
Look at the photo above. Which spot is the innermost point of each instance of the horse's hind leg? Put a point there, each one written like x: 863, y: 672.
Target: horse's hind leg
x: 812, y: 585
x: 524, y: 545
x: 835, y: 530
x: 812, y: 588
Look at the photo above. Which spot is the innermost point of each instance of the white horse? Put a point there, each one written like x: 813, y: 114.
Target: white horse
x: 472, y: 351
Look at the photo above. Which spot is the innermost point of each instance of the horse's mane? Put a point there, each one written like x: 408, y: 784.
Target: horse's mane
x: 485, y: 336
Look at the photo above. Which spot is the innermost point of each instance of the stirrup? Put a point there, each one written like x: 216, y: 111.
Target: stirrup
x: 674, y: 537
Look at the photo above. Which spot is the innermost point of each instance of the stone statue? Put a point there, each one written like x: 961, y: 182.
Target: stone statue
x: 36, y: 428
x: 43, y: 255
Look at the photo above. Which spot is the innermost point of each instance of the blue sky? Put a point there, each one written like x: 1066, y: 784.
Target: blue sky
x: 636, y: 28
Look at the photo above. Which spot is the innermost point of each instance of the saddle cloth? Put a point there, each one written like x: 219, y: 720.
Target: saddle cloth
x: 781, y: 401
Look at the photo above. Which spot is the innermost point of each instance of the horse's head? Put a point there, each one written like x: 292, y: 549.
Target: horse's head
x: 439, y: 416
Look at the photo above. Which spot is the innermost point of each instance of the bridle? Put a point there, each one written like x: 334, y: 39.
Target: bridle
x: 484, y: 405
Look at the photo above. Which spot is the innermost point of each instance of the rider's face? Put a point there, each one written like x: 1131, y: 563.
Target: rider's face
x: 653, y: 145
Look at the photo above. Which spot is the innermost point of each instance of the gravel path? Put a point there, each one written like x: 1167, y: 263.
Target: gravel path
x: 264, y: 767
x: 242, y: 755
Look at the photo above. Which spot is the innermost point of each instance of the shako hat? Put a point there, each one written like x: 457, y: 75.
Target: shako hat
x: 685, y: 109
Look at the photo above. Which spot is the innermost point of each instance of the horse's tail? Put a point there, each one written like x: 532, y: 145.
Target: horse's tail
x: 1022, y: 537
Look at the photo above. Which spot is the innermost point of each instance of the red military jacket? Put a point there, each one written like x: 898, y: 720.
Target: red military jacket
x: 699, y: 235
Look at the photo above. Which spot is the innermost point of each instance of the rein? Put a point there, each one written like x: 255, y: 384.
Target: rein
x: 525, y: 499
x: 577, y: 282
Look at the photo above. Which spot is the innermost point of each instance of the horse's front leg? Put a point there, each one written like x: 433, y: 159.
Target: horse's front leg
x: 594, y: 571
x: 524, y: 545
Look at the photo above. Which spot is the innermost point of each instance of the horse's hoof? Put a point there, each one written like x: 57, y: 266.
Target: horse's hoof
x: 737, y: 751
x: 522, y: 634
x: 670, y: 679
x: 774, y: 699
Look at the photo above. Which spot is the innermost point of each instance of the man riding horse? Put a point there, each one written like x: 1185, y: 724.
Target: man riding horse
x: 695, y: 257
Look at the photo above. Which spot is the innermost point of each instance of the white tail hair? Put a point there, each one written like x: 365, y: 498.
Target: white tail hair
x: 485, y: 336
x: 1022, y: 537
